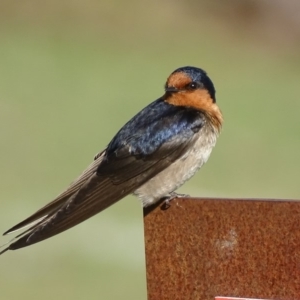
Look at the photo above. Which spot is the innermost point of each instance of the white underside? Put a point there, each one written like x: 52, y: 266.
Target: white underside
x: 181, y: 170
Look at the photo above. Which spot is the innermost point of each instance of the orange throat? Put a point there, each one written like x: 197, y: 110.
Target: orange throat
x: 199, y: 100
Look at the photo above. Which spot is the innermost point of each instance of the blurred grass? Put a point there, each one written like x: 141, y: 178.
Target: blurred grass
x: 64, y: 94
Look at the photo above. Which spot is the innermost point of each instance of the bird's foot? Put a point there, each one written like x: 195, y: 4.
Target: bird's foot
x: 177, y: 195
x: 171, y: 197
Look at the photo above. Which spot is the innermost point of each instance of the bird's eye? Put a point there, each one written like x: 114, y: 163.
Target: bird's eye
x: 193, y: 85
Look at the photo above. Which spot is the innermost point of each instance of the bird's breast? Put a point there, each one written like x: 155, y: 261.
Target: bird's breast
x: 181, y: 170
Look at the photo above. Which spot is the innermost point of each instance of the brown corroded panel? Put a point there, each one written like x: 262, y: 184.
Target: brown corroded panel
x: 204, y: 248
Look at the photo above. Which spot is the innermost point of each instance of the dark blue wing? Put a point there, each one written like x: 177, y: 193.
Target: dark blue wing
x: 153, y: 126
x: 146, y: 145
x: 156, y: 136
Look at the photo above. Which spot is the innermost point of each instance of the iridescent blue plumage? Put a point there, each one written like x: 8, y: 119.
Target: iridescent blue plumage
x: 156, y: 124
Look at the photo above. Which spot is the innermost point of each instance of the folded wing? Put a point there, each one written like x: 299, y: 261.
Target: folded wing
x: 101, y: 189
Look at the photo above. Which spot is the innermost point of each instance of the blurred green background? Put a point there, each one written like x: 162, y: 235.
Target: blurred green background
x: 73, y: 72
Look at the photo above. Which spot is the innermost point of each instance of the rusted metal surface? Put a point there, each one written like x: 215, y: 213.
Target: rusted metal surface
x: 204, y: 248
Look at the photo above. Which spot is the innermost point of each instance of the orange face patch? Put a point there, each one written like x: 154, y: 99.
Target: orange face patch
x: 199, y: 99
x: 178, y: 80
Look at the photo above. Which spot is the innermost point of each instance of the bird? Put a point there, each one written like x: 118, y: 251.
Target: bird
x: 151, y: 156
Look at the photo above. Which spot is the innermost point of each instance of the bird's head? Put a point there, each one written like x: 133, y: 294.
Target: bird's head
x: 190, y: 80
x: 192, y: 88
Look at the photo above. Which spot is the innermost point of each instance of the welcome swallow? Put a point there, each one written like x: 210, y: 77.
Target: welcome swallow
x: 151, y: 156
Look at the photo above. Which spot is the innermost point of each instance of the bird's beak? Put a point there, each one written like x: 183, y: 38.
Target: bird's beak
x: 171, y: 89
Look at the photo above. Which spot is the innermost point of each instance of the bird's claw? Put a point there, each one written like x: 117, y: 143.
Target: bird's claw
x: 171, y: 197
